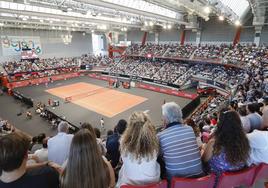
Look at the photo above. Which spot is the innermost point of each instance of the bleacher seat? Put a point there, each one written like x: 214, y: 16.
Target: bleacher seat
x: 261, y: 172
x: 161, y: 184
x: 203, y: 182
x: 234, y: 179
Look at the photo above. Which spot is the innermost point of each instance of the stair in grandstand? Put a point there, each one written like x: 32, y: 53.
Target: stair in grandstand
x: 192, y: 56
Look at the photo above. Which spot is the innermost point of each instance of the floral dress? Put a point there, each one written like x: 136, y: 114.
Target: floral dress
x: 219, y: 164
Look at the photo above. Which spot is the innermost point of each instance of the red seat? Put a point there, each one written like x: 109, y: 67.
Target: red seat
x: 261, y: 172
x: 203, y: 182
x: 161, y: 184
x: 238, y: 178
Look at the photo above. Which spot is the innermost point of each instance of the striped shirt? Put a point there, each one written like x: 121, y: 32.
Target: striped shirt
x: 180, y: 151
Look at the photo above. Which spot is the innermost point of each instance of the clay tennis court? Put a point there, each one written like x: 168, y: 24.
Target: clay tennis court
x: 102, y: 100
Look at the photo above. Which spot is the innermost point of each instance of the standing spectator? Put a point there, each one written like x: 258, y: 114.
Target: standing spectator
x: 178, y: 145
x: 86, y: 167
x: 139, y: 149
x: 13, y: 158
x: 254, y: 118
x: 42, y: 154
x: 229, y: 149
x: 112, y: 143
x: 258, y: 141
x: 59, y: 145
x: 102, y: 124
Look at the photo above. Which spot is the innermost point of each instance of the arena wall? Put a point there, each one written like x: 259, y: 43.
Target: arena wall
x: 52, y: 44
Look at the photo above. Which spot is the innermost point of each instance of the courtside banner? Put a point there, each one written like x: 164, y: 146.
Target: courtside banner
x: 37, y: 81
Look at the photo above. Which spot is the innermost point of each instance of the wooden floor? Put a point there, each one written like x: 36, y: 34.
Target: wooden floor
x: 105, y: 101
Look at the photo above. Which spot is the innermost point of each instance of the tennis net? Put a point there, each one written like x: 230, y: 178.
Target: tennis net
x: 84, y: 94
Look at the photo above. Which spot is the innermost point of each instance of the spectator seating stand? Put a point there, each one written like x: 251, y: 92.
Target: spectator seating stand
x: 246, y: 177
x: 261, y: 172
x: 234, y: 179
x: 161, y: 184
x: 203, y: 182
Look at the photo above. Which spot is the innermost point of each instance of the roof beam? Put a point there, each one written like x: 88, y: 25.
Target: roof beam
x: 101, y: 3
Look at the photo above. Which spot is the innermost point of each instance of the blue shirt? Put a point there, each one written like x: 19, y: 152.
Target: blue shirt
x: 180, y: 151
x: 112, y: 146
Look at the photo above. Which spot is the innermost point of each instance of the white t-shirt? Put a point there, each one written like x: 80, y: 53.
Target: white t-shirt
x: 59, y: 147
x: 102, y: 123
x: 42, y: 154
x: 245, y: 123
x: 136, y: 172
x: 258, y: 141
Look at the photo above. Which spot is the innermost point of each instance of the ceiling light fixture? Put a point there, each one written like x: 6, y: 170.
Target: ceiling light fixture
x: 237, y: 23
x: 221, y: 18
x: 207, y: 10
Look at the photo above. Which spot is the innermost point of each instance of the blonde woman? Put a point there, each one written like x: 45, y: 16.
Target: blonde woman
x: 139, y: 148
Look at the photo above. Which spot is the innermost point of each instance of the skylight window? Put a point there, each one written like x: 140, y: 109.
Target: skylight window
x: 238, y: 6
x: 144, y: 6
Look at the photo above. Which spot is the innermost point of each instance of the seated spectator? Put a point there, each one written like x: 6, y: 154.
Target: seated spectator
x: 59, y: 145
x: 196, y: 130
x: 13, y: 157
x: 265, y: 113
x: 99, y: 141
x: 95, y: 131
x: 33, y: 142
x: 39, y: 143
x: 42, y: 154
x: 178, y: 145
x: 112, y: 143
x: 229, y: 149
x: 244, y: 118
x: 254, y: 118
x: 29, y: 115
x: 258, y: 141
x: 85, y: 166
x: 139, y: 149
x: 110, y: 132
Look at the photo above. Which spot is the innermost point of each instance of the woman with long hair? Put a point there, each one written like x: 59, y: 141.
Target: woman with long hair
x: 139, y: 149
x: 85, y: 166
x: 229, y: 148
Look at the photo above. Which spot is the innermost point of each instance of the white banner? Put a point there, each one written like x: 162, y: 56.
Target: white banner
x: 13, y: 45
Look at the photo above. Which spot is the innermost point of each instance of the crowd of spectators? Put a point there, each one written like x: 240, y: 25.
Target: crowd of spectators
x: 23, y: 70
x: 245, y: 55
x: 170, y: 72
x: 177, y: 73
x: 223, y: 134
x: 5, y: 127
x: 180, y: 51
x: 135, y: 153
x: 134, y: 49
x: 211, y: 52
x: 154, y: 49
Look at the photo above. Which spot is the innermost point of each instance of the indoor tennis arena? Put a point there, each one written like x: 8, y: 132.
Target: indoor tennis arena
x: 133, y: 93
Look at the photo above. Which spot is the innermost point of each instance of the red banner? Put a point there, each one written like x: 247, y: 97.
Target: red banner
x: 167, y: 91
x: 36, y: 81
x: 152, y: 88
